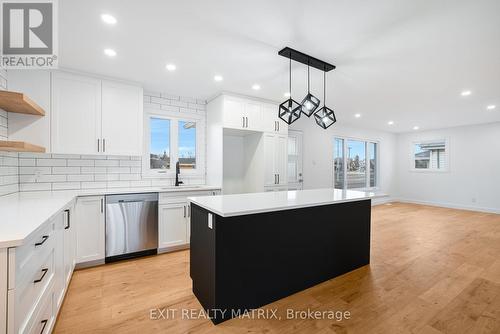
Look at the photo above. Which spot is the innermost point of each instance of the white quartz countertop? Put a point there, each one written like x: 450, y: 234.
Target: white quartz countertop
x: 22, y: 213
x: 244, y: 204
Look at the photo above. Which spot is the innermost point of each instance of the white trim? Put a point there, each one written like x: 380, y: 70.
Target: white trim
x: 447, y: 205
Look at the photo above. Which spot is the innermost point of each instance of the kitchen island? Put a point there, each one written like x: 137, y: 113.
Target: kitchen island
x: 249, y: 250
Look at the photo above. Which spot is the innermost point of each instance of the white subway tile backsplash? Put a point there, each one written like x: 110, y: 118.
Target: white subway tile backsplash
x: 51, y: 178
x: 51, y: 162
x: 141, y: 183
x: 27, y: 162
x: 66, y: 186
x: 66, y: 156
x: 65, y: 170
x: 93, y: 170
x: 130, y: 163
x: 107, y: 177
x: 118, y: 184
x: 80, y: 162
x: 107, y: 163
x: 34, y: 170
x: 130, y: 177
x: 135, y: 170
x: 118, y: 170
x: 94, y: 157
x: 81, y: 177
x: 93, y: 185
x: 118, y: 157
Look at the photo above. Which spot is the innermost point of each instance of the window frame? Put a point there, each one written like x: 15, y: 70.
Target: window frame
x: 175, y: 118
x: 367, y: 156
x: 430, y: 170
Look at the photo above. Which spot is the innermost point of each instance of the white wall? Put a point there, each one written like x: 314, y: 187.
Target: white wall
x: 473, y: 178
x: 318, y: 153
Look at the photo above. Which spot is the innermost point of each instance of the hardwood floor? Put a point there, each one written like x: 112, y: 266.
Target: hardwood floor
x: 433, y: 270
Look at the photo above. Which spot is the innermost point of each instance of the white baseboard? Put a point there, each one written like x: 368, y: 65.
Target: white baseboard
x: 447, y: 205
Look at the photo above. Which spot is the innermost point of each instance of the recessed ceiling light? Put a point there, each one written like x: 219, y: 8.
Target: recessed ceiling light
x: 287, y: 94
x: 390, y: 122
x: 218, y: 78
x: 109, y: 19
x: 491, y: 107
x: 110, y: 52
x: 357, y: 115
x: 416, y: 127
x: 170, y: 67
x: 466, y: 93
x: 255, y: 87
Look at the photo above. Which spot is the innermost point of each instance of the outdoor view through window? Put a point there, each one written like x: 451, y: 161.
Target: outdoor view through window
x: 187, y: 144
x: 350, y: 169
x: 160, y: 143
x: 430, y: 155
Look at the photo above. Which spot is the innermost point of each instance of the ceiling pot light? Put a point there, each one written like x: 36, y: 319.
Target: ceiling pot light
x: 289, y: 111
x: 110, y: 52
x: 255, y: 87
x: 108, y: 19
x: 491, y: 107
x: 416, y: 127
x: 218, y: 78
x: 357, y: 115
x: 466, y: 93
x: 171, y: 67
x: 325, y: 117
x: 390, y: 122
x: 310, y: 103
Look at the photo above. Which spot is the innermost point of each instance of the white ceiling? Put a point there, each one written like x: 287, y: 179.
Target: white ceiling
x: 400, y: 60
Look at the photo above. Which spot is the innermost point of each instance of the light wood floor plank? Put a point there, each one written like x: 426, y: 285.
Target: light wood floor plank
x: 433, y: 270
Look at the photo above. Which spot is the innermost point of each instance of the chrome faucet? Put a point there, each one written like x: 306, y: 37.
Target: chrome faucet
x: 177, y: 172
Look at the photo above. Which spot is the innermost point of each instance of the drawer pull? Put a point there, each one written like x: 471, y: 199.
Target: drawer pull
x: 44, y: 323
x: 68, y: 218
x: 44, y: 238
x: 44, y: 272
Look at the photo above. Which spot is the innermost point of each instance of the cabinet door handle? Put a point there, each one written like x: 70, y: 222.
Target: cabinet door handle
x: 103, y: 145
x: 278, y: 179
x: 243, y: 122
x: 247, y: 122
x: 44, y: 238
x: 98, y: 145
x: 102, y: 205
x: 44, y: 323
x: 67, y: 219
x: 184, y: 211
x: 44, y: 272
x: 189, y: 210
x: 277, y: 122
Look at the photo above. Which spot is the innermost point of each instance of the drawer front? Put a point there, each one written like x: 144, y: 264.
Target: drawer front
x: 43, y: 317
x: 180, y: 197
x: 27, y: 258
x: 31, y: 288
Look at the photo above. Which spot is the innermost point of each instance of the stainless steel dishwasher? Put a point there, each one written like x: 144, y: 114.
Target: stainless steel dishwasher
x: 131, y: 226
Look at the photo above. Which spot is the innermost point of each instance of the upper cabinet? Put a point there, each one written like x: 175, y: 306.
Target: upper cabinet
x: 76, y: 114
x: 92, y: 116
x: 247, y: 114
x: 122, y: 118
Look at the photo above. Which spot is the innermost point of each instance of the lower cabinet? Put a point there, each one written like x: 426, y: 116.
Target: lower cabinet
x: 90, y: 231
x: 173, y: 225
x: 37, y: 277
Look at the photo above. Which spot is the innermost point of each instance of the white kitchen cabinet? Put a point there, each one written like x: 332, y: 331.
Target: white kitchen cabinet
x: 69, y: 231
x: 275, y: 155
x: 90, y: 229
x: 59, y: 272
x: 122, y: 119
x: 76, y: 114
x: 172, y: 229
x: 92, y: 116
x: 270, y: 120
x: 242, y: 114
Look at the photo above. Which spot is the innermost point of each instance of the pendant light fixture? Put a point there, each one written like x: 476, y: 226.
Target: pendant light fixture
x: 324, y: 117
x: 310, y: 103
x: 289, y: 111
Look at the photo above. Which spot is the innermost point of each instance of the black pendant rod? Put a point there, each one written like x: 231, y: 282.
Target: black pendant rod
x: 290, y: 78
x: 308, y: 80
x: 324, y: 88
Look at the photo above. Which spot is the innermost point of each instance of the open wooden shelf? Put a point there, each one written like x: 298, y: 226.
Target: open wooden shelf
x: 20, y: 146
x: 19, y: 103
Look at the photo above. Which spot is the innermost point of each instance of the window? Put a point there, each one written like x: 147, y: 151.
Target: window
x: 430, y: 155
x: 355, y: 164
x: 159, y: 157
x: 173, y: 139
x: 187, y: 145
